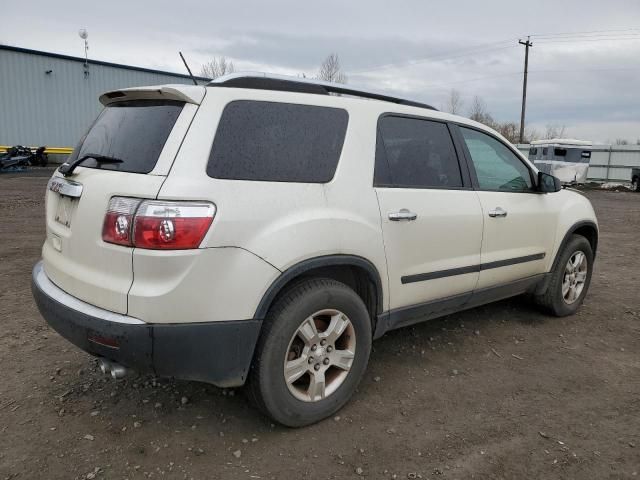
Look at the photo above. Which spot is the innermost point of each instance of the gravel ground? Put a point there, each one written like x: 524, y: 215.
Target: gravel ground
x: 500, y: 391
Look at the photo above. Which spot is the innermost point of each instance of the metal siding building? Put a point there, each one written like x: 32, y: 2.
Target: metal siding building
x: 47, y: 99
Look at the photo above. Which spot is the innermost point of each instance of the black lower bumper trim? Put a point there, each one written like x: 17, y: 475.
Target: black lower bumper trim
x: 214, y: 352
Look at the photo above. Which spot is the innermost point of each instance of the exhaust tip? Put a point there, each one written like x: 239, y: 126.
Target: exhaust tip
x: 105, y: 366
x: 118, y: 371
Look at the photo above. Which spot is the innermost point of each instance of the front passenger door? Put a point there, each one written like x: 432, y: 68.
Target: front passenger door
x: 519, y: 222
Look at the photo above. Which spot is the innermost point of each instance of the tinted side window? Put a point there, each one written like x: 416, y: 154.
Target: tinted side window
x: 415, y: 153
x: 560, y: 152
x: 132, y: 131
x: 277, y: 142
x: 496, y: 166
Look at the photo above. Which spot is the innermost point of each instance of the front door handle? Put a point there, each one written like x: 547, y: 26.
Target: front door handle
x: 497, y: 212
x: 403, y: 214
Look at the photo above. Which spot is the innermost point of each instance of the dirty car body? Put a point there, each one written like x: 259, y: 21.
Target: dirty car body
x: 264, y: 230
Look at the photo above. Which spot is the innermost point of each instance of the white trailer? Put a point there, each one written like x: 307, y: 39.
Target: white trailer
x: 565, y: 158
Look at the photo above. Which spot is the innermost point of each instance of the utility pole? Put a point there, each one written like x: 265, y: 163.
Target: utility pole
x: 526, y: 44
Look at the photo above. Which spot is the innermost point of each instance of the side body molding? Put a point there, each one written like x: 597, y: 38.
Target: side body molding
x: 319, y: 262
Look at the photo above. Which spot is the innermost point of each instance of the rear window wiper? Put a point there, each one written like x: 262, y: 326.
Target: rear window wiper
x: 67, y: 169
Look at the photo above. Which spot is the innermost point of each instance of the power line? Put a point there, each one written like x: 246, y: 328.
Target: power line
x: 544, y: 38
x: 550, y: 42
x: 557, y: 34
x: 597, y: 35
x: 553, y: 70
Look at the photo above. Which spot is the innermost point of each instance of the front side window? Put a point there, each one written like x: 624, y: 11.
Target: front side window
x: 496, y: 166
x: 277, y: 142
x: 415, y: 153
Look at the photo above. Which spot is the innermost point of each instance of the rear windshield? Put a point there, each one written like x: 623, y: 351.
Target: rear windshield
x: 133, y: 131
x: 277, y: 142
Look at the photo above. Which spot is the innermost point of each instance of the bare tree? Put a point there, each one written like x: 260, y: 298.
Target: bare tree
x: 509, y: 130
x: 454, y: 102
x: 330, y: 70
x: 216, y: 68
x: 479, y: 112
x: 554, y: 131
x: 622, y: 141
x: 530, y: 134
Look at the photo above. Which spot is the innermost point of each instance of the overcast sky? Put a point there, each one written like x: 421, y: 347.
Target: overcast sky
x: 419, y: 49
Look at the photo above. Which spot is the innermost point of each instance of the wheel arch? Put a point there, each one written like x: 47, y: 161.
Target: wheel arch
x: 357, y: 272
x: 587, y: 229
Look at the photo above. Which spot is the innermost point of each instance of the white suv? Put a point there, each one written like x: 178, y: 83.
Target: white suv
x: 265, y: 229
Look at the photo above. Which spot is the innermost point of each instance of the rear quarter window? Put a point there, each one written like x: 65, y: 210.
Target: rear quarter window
x: 277, y: 142
x: 134, y: 131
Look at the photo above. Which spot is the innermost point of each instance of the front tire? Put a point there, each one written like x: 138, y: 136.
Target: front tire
x: 312, y: 353
x: 570, y: 279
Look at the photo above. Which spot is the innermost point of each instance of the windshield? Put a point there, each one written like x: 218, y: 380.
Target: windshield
x: 134, y: 131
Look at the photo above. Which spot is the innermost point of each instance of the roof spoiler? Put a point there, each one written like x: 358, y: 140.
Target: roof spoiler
x: 182, y: 93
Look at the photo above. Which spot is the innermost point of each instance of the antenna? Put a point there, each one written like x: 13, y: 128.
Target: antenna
x: 188, y: 69
x: 83, y: 34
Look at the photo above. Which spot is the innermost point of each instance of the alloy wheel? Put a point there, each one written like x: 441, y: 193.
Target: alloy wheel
x: 575, y: 276
x: 320, y: 355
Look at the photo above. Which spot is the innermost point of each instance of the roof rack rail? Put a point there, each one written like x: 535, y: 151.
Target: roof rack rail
x: 284, y: 83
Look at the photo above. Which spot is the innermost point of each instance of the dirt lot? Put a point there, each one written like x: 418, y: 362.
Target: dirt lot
x: 496, y: 392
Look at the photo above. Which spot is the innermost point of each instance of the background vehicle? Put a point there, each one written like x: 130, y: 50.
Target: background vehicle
x: 265, y: 230
x: 20, y: 157
x: 564, y: 158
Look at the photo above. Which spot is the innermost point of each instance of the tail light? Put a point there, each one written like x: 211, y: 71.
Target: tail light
x: 157, y: 224
x: 118, y: 221
x: 171, y: 225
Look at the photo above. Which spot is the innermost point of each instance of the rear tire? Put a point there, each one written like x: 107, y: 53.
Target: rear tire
x: 570, y: 279
x: 312, y: 352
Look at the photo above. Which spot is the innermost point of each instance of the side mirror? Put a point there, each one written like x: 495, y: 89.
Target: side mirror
x: 548, y: 183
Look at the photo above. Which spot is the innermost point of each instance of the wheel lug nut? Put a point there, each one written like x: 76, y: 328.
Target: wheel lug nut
x: 329, y: 349
x: 314, y: 347
x: 310, y: 360
x: 323, y: 342
x: 326, y: 361
x: 316, y: 366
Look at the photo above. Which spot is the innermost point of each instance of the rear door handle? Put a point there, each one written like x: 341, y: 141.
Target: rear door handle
x: 403, y: 214
x: 497, y: 212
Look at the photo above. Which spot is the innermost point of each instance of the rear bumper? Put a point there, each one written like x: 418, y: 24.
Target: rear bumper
x: 214, y: 352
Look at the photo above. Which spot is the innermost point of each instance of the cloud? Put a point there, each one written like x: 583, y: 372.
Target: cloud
x: 413, y: 48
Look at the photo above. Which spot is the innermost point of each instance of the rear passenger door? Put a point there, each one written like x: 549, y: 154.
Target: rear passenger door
x: 431, y: 218
x: 519, y: 222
